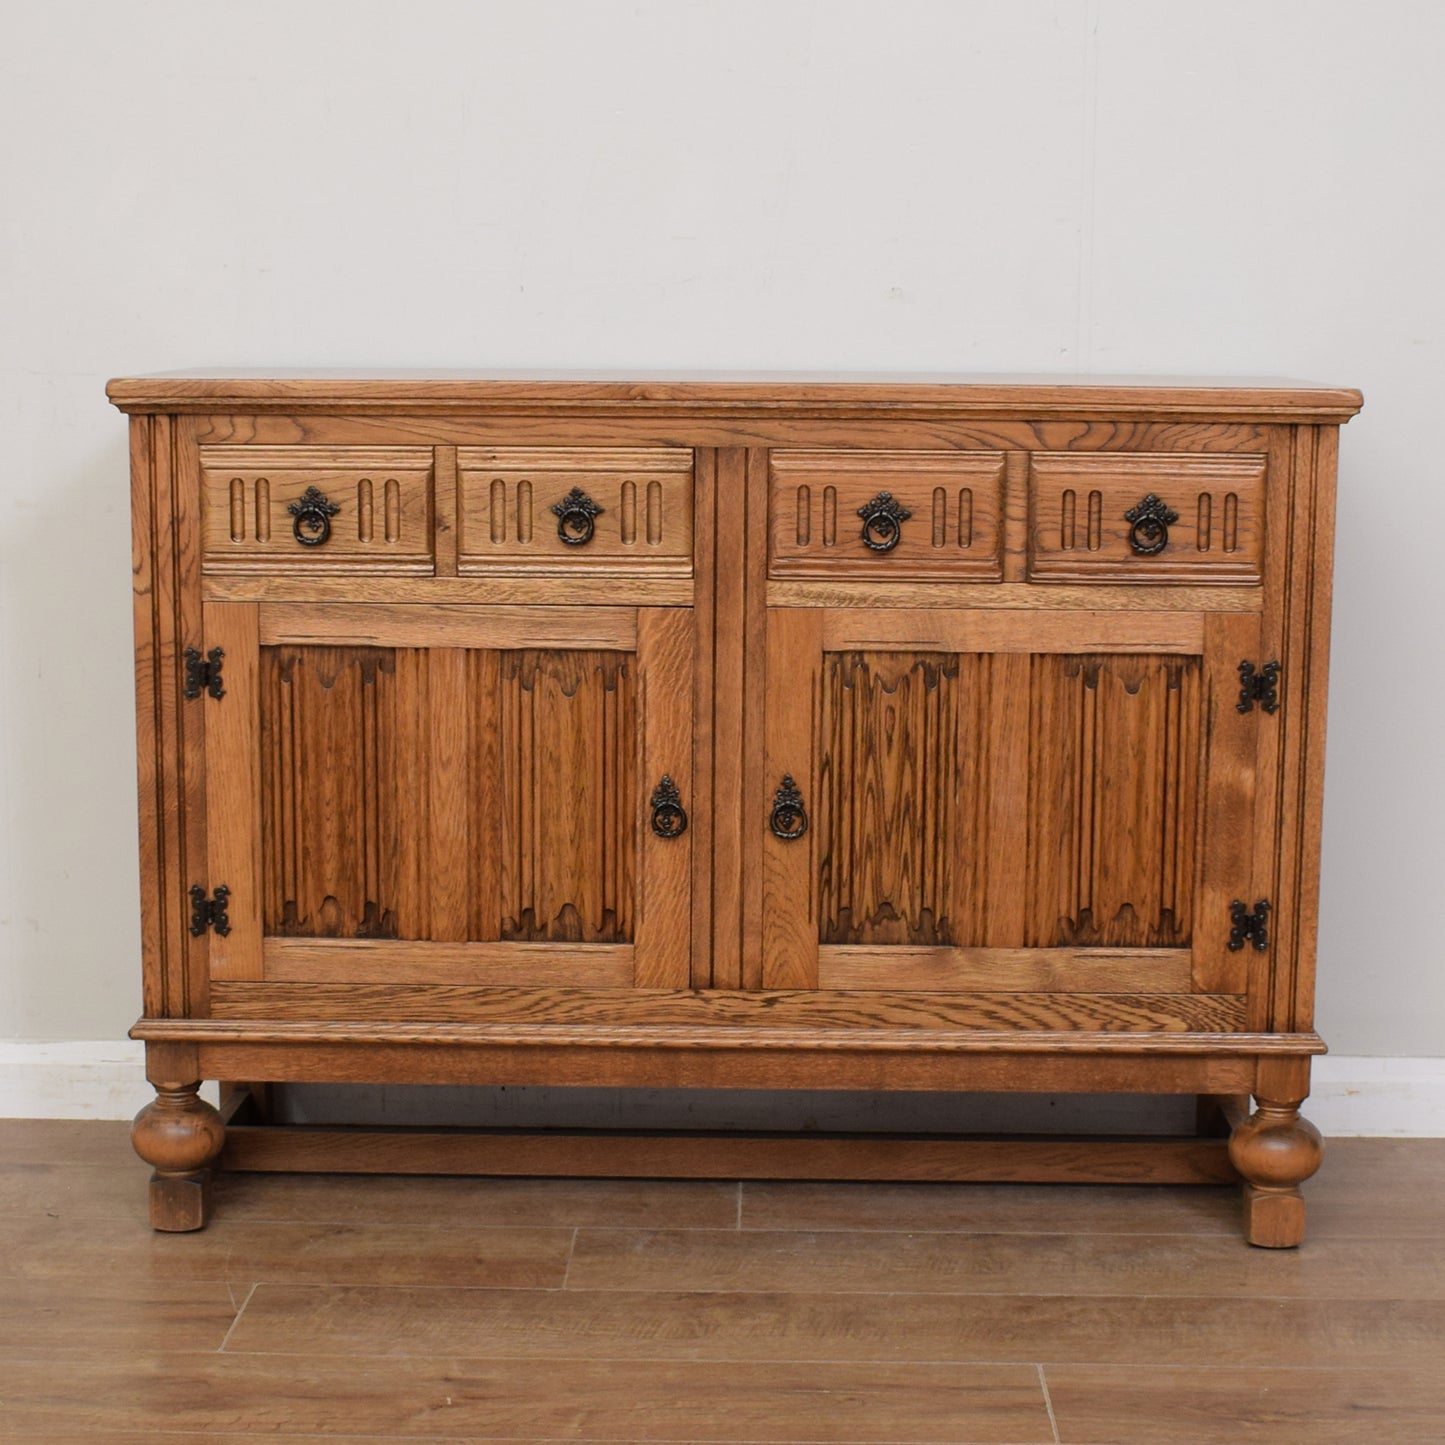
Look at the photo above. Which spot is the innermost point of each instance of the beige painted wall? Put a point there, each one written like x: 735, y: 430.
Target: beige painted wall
x: 1115, y: 185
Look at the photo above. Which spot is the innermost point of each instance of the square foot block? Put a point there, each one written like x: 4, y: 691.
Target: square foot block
x: 180, y: 1203
x: 1274, y: 1218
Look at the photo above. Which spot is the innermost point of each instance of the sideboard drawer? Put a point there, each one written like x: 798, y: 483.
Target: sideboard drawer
x: 1109, y: 517
x: 886, y: 516
x: 289, y: 509
x: 560, y: 510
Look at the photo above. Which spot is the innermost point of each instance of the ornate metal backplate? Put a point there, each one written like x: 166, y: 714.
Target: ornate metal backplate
x: 1149, y: 525
x: 883, y: 520
x: 313, y: 514
x: 1249, y: 926
x: 669, y: 817
x: 1258, y: 686
x: 575, y: 513
x: 789, y: 818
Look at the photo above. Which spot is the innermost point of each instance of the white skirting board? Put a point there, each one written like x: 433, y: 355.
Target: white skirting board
x: 81, y: 1079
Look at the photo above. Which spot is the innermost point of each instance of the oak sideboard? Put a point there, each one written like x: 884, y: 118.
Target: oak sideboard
x: 782, y: 732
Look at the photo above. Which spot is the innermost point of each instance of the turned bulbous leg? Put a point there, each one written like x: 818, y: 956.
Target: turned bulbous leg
x: 178, y: 1135
x: 1276, y: 1151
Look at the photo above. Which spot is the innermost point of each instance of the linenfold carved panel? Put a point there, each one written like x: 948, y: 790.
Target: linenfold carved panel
x: 567, y: 743
x: 447, y: 794
x: 912, y: 777
x: 562, y: 510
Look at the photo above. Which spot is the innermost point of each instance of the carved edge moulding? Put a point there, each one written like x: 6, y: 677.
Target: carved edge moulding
x: 755, y: 732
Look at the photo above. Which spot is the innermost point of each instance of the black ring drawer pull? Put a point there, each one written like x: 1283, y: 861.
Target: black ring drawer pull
x: 1150, y: 522
x: 313, y: 514
x: 789, y: 819
x: 883, y: 520
x: 574, y: 517
x: 669, y: 817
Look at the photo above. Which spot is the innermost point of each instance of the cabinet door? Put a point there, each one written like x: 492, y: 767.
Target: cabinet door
x: 437, y: 794
x: 1007, y: 800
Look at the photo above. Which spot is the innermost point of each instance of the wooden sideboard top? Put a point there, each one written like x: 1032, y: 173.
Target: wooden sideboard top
x: 818, y: 394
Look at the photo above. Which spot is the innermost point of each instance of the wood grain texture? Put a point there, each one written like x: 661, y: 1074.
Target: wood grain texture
x: 758, y: 776
x: 383, y: 498
x: 1021, y: 630
x: 1047, y: 1063
x: 1079, y: 531
x: 234, y: 793
x: 493, y: 1203
x: 727, y: 1011
x: 1023, y: 970
x: 569, y: 837
x: 506, y: 496
x: 1113, y: 778
x: 1330, y: 1344
x: 925, y: 759
x: 1044, y: 767
x: 760, y: 394
x: 365, y: 625
x: 375, y: 765
x: 729, y: 791
x: 522, y: 1400
x: 184, y: 733
x: 1192, y: 1404
x: 1296, y: 631
x: 332, y: 833
x: 70, y: 1252
x: 790, y: 868
x: 760, y: 1326
x: 503, y: 590
x: 954, y: 529
x: 384, y: 961
x: 887, y: 787
x: 880, y: 431
x: 170, y: 739
x: 1233, y: 809
x: 112, y: 1313
x: 444, y: 510
x: 976, y: 596
x: 703, y: 815
x: 666, y: 663
x: 995, y: 1263
x: 1155, y: 1161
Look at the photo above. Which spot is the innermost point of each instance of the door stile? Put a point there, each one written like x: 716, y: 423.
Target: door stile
x: 662, y: 939
x: 789, y: 929
x: 448, y: 725
x: 233, y: 790
x: 1229, y: 768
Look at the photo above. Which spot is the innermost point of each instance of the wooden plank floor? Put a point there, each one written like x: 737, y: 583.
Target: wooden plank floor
x: 363, y: 1309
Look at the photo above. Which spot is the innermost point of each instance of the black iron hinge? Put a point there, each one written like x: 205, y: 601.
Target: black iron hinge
x: 204, y: 675
x: 1258, y: 685
x: 1249, y: 926
x: 209, y: 912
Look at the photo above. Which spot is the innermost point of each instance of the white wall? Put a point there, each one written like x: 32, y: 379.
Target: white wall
x: 1116, y: 185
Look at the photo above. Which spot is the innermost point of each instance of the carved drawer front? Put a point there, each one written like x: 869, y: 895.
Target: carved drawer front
x: 561, y: 510
x: 885, y: 516
x: 295, y: 509
x: 1104, y: 517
